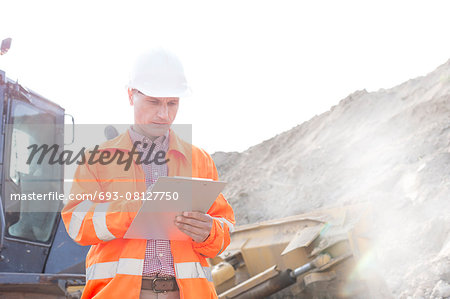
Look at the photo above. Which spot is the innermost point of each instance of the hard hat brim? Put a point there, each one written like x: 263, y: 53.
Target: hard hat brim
x: 184, y: 93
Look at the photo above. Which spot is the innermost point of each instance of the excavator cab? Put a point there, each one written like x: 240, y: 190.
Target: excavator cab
x: 36, y: 254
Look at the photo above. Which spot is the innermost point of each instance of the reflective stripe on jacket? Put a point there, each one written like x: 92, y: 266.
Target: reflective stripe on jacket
x: 114, y: 265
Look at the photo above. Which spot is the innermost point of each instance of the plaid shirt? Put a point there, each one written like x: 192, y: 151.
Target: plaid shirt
x: 158, y: 257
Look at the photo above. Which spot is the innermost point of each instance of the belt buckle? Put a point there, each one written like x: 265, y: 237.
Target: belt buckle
x: 154, y: 284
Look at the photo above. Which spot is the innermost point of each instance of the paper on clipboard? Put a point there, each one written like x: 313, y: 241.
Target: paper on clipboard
x: 155, y: 219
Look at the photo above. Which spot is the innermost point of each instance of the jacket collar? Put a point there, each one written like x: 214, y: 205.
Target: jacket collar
x: 123, y: 142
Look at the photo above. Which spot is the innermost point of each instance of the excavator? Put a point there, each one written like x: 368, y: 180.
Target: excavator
x: 320, y: 254
x: 37, y: 257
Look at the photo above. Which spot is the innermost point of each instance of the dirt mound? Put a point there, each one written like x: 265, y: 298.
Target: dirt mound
x: 390, y: 148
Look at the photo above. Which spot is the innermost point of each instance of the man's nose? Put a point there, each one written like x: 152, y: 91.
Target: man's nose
x: 163, y: 112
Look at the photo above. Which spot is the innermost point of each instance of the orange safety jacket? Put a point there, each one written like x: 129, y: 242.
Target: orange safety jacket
x: 114, y: 265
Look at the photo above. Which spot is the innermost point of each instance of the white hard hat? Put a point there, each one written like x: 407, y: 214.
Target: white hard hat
x: 159, y: 73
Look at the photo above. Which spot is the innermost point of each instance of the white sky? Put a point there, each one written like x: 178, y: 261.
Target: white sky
x: 257, y: 68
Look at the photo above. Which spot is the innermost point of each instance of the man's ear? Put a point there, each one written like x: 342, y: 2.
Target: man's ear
x: 130, y: 96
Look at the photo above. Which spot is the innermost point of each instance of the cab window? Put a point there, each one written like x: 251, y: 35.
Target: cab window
x: 27, y: 216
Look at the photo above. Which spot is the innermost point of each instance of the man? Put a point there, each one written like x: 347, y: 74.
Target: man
x: 134, y: 268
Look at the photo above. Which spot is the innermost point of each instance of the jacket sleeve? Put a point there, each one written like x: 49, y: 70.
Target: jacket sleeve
x: 90, y: 220
x: 223, y: 224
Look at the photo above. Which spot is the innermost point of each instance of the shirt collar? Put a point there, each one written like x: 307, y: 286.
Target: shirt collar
x: 160, y: 142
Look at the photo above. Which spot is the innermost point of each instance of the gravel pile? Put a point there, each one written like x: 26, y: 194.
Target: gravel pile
x: 390, y: 148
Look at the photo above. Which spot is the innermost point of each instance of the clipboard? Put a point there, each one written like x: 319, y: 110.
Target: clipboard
x: 169, y: 197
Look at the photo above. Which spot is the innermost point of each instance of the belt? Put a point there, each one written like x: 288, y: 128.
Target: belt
x: 159, y: 284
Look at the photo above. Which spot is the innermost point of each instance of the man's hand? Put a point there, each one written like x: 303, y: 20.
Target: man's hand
x: 195, y: 224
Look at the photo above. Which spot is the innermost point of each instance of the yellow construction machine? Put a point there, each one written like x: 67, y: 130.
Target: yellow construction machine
x: 321, y: 254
